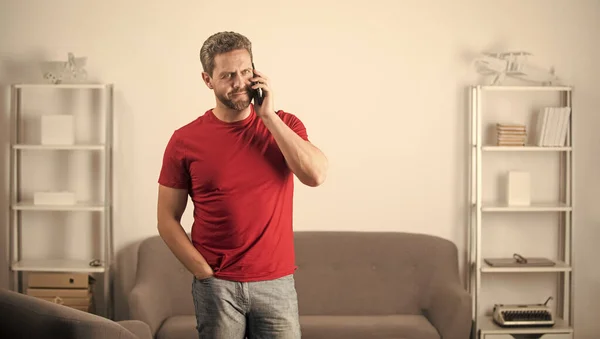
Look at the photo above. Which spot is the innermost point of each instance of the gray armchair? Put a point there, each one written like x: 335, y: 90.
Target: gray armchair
x: 23, y: 316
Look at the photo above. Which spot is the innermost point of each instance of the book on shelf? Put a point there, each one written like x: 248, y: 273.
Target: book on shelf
x: 511, y: 134
x: 552, y: 126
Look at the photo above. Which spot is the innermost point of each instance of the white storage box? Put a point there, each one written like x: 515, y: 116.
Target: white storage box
x: 54, y: 198
x: 57, y: 130
x: 519, y: 188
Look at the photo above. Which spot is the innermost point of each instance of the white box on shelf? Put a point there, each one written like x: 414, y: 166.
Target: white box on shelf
x: 57, y: 130
x: 54, y: 198
x: 518, y: 188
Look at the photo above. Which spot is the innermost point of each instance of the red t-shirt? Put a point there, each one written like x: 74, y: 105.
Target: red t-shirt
x: 242, y: 190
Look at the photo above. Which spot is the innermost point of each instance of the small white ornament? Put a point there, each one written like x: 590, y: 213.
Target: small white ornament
x: 60, y: 72
x: 513, y: 64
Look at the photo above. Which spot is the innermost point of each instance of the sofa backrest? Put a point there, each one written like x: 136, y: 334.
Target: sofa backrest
x: 369, y: 273
x: 339, y: 273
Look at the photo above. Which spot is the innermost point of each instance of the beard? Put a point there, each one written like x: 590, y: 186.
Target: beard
x: 234, y: 102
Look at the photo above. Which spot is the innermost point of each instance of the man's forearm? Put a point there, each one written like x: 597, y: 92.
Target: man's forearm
x: 307, y: 162
x: 179, y: 243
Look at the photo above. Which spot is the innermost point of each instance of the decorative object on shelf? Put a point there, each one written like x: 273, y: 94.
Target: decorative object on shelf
x: 552, y: 126
x: 65, y: 72
x: 518, y: 188
x: 96, y: 263
x: 57, y: 130
x: 513, y: 64
x: 519, y: 261
x: 54, y: 198
x: 511, y: 134
x: 524, y: 315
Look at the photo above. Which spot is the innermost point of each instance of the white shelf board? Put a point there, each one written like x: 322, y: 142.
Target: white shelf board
x: 559, y: 267
x: 533, y: 207
x: 526, y: 149
x: 489, y: 327
x: 65, y: 86
x: 82, y: 206
x: 525, y: 88
x: 82, y: 147
x: 56, y: 265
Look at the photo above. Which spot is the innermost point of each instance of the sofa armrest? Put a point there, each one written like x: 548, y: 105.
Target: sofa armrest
x: 450, y: 311
x: 149, y: 306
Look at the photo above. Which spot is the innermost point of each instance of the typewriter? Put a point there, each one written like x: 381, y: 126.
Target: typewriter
x: 532, y: 315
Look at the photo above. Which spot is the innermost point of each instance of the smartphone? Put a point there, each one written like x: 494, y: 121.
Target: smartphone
x: 257, y: 94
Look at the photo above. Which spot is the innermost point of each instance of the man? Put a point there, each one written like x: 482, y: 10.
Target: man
x: 237, y: 163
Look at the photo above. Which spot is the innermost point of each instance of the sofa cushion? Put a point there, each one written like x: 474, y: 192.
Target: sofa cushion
x: 179, y: 326
x: 328, y: 327
x: 372, y: 327
x: 137, y: 327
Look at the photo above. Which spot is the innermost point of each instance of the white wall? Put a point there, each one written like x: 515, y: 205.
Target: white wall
x: 380, y: 86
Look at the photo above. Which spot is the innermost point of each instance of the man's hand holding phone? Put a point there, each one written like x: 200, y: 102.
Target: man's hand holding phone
x: 260, y: 81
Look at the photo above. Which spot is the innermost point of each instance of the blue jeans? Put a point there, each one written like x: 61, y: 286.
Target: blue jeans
x: 254, y: 310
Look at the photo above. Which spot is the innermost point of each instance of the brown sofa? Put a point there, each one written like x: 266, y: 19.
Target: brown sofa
x: 27, y: 317
x: 349, y: 284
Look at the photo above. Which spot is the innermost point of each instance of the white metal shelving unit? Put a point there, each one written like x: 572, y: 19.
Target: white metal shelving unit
x: 484, y: 327
x: 19, y: 206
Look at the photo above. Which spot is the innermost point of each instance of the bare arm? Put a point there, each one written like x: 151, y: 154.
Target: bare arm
x: 307, y: 162
x: 171, y: 205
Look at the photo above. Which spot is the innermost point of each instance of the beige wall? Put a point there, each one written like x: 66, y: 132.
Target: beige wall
x: 380, y: 86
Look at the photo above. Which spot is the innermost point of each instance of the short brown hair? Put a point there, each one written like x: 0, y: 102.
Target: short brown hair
x: 219, y: 43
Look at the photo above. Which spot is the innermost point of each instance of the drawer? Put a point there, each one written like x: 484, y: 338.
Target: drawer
x: 529, y: 336
x: 58, y: 280
x: 58, y: 292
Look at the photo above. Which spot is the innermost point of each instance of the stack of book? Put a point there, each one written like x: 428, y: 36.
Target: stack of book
x: 511, y: 134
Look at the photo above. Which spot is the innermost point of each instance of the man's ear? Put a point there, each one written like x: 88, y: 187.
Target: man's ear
x: 207, y: 80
